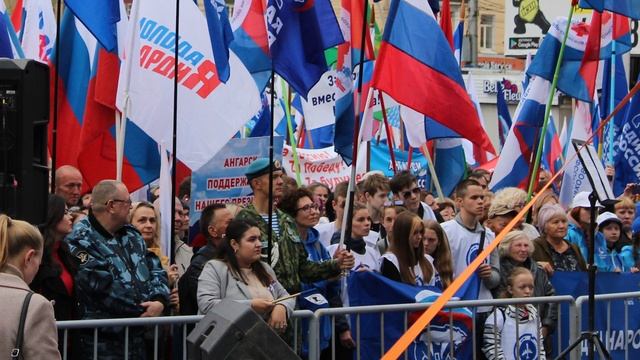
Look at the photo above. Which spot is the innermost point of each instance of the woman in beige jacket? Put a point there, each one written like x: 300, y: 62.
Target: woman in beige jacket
x: 20, y: 255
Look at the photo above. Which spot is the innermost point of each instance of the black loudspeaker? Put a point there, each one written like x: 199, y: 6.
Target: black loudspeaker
x: 232, y: 330
x: 24, y: 115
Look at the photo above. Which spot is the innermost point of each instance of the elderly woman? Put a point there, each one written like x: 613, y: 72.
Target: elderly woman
x: 238, y: 274
x: 515, y: 251
x: 551, y: 250
x: 506, y: 204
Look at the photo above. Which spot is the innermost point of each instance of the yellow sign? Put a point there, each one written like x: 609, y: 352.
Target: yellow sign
x: 528, y: 10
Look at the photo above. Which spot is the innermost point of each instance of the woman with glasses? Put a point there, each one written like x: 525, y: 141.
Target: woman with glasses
x: 300, y: 206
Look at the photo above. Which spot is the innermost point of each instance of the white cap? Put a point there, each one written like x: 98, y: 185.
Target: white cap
x: 607, y: 217
x: 582, y: 200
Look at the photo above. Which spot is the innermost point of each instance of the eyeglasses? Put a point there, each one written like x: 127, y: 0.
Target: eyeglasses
x: 127, y: 202
x: 407, y: 194
x: 308, y: 207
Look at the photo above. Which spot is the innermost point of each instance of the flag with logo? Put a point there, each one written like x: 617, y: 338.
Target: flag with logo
x: 35, y: 24
x: 298, y: 34
x: 209, y: 112
x: 627, y: 160
x: 370, y: 288
x: 574, y: 179
x: 575, y: 79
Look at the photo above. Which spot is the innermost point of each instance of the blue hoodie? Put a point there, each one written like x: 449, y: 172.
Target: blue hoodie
x: 608, y: 260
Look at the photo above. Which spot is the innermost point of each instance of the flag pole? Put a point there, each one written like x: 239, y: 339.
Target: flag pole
x: 432, y: 170
x: 175, y: 134
x: 387, y: 128
x: 547, y: 110
x: 612, y: 101
x: 294, y: 147
x: 270, y: 196
x: 56, y: 95
x: 346, y: 223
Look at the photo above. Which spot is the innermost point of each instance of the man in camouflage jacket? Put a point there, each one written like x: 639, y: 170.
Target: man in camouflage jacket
x: 117, y: 276
x: 289, y: 259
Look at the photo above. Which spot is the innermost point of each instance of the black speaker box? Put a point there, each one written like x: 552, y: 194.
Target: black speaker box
x: 24, y: 115
x: 232, y: 330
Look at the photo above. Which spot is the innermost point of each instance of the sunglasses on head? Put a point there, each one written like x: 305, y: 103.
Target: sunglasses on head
x: 407, y: 194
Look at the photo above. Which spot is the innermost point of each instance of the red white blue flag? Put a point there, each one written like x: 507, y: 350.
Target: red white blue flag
x: 417, y: 68
x: 512, y: 169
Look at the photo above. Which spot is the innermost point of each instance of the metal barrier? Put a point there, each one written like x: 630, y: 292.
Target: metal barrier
x: 314, y: 328
x: 609, y: 298
x: 155, y: 323
x: 314, y: 323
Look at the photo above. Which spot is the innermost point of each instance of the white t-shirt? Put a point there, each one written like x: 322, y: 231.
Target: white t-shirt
x: 325, y: 232
x: 368, y: 260
x: 417, y: 270
x: 464, y: 246
x: 428, y: 212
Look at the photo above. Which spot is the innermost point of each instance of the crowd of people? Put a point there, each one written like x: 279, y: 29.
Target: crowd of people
x: 98, y: 256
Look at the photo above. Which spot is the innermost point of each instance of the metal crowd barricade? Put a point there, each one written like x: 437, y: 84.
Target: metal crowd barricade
x: 155, y: 323
x: 583, y: 301
x: 314, y: 322
x: 314, y: 327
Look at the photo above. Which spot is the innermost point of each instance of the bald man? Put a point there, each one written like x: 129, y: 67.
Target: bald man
x: 69, y: 184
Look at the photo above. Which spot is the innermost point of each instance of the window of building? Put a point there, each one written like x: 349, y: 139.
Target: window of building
x: 486, y: 32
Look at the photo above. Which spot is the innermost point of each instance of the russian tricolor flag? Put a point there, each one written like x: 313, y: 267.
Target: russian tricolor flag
x: 513, y: 165
x: 96, y: 157
x: 417, y: 68
x: 77, y: 51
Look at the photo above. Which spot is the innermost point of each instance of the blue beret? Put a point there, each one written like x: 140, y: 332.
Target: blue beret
x: 260, y: 167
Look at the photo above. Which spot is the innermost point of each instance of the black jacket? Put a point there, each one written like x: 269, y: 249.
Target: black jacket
x: 188, y: 283
x: 48, y: 283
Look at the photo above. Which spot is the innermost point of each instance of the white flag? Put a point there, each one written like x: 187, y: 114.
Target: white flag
x: 209, y: 112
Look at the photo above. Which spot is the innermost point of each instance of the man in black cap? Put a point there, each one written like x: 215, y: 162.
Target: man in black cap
x: 289, y: 259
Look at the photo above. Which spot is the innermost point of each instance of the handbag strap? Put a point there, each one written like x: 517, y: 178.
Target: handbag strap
x: 16, y: 352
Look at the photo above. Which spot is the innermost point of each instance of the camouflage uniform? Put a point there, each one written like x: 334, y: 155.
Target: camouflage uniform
x: 115, y: 274
x: 289, y: 259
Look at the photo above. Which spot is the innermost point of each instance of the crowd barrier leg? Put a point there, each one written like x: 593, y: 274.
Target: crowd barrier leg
x: 314, y: 338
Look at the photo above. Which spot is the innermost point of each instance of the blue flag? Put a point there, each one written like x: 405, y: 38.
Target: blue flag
x: 5, y: 41
x: 262, y: 120
x: 630, y: 8
x: 627, y: 159
x: 621, y: 90
x: 370, y: 288
x: 100, y: 18
x: 220, y: 34
x: 299, y: 32
x: 504, y: 117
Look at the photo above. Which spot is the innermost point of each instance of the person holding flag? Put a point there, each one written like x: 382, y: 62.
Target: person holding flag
x: 289, y: 259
